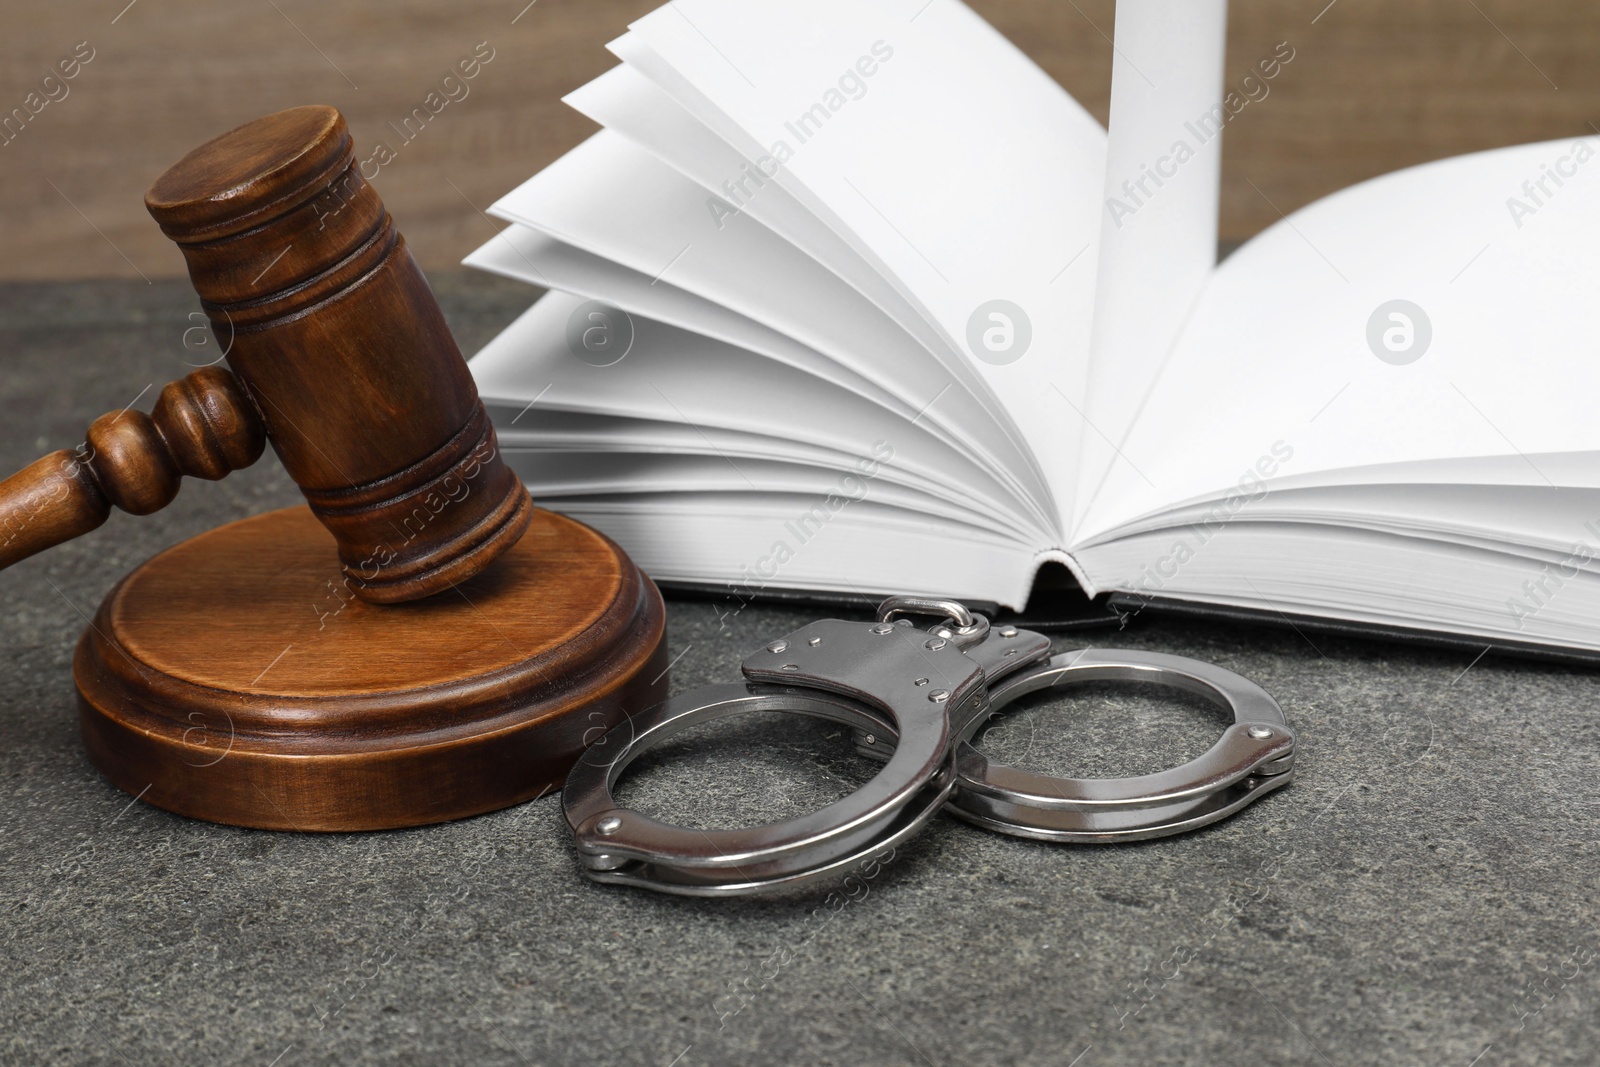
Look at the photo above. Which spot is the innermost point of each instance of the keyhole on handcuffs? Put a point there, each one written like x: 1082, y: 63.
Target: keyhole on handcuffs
x: 1102, y: 730
x: 746, y: 771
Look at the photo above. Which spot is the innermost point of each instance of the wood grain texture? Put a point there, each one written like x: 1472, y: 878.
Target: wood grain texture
x: 202, y: 426
x: 335, y: 335
x: 1374, y: 87
x: 234, y: 678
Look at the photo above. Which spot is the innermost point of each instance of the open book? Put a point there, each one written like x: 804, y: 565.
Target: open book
x: 849, y: 297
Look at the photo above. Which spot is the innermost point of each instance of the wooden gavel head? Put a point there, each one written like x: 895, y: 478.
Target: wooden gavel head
x: 338, y: 351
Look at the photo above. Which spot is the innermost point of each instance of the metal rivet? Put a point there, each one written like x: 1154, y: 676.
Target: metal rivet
x: 1260, y: 733
x: 608, y: 825
x: 883, y: 628
x: 1250, y: 783
x: 791, y: 666
x: 777, y: 646
x: 944, y: 631
x: 920, y: 681
x: 1009, y: 631
x: 939, y: 696
x: 814, y: 642
x: 937, y: 643
x: 870, y: 739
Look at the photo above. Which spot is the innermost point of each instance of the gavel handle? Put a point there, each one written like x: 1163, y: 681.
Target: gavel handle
x: 203, y: 425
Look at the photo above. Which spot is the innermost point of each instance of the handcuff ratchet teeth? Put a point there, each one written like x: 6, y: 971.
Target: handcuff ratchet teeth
x: 914, y: 698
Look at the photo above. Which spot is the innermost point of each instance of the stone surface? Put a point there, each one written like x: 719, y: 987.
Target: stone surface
x: 1424, y: 892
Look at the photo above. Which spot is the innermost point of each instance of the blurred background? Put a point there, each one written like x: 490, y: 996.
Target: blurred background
x: 1374, y: 86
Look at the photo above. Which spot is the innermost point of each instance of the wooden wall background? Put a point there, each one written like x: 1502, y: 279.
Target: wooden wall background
x: 1375, y: 85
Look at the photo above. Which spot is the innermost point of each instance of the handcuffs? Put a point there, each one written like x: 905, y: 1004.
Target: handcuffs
x: 914, y: 699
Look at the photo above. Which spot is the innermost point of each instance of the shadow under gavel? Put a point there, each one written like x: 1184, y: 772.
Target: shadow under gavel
x: 339, y: 356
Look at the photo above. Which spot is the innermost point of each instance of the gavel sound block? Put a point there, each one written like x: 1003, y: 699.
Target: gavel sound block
x: 448, y: 650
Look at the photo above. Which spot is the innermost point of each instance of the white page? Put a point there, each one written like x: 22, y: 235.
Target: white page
x: 627, y: 103
x: 1158, y: 238
x: 910, y: 169
x: 1543, y: 470
x: 762, y: 541
x: 557, y: 433
x: 575, y: 428
x: 1535, y: 521
x: 616, y: 201
x: 1371, y: 577
x: 572, y: 474
x: 557, y: 430
x: 1278, y: 348
x: 673, y: 375
x: 537, y: 258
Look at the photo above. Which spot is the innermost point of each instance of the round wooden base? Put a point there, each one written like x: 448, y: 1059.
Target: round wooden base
x: 237, y: 678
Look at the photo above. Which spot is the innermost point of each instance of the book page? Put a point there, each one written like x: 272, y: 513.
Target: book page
x: 1159, y: 226
x: 1428, y: 316
x: 539, y: 259
x: 770, y: 541
x: 669, y: 375
x: 922, y: 136
x: 612, y: 199
x: 628, y: 104
x: 1368, y: 576
x: 569, y: 474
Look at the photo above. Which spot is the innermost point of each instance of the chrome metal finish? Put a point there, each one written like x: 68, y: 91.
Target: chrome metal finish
x: 953, y: 610
x: 914, y: 698
x: 845, y: 671
x: 625, y: 845
x: 968, y: 628
x: 1254, y: 757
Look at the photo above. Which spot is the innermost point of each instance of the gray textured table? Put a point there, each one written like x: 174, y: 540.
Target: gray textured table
x: 1423, y: 894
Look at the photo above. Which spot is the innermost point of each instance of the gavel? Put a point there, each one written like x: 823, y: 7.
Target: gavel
x: 339, y: 356
x: 239, y: 676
